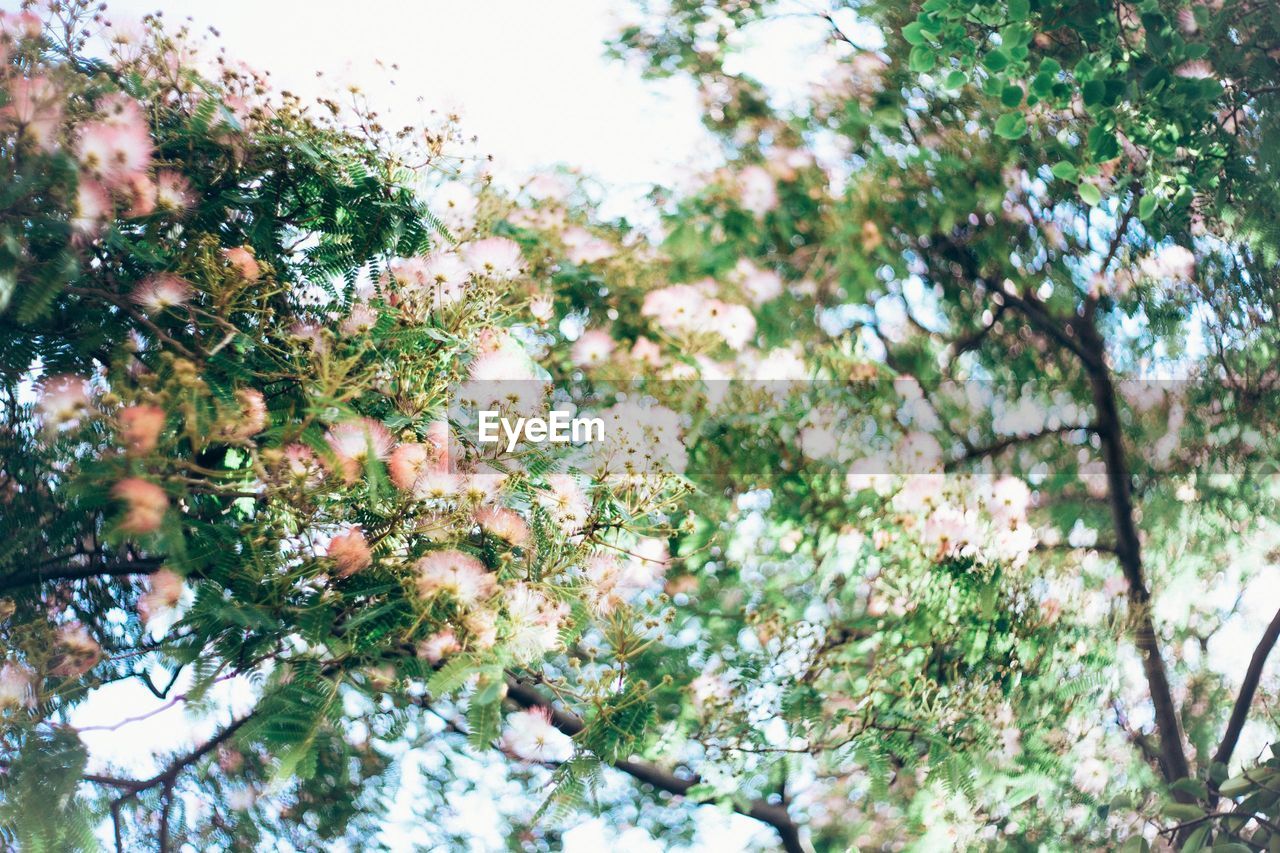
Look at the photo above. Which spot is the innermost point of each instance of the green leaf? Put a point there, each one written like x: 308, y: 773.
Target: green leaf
x: 1065, y: 171
x: 996, y: 60
x: 1011, y: 125
x: 956, y: 80
x: 1093, y: 92
x: 1090, y: 194
x: 921, y: 59
x: 913, y: 35
x: 1147, y: 206
x: 1011, y: 96
x: 1019, y: 10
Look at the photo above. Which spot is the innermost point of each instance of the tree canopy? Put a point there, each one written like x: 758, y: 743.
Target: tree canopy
x: 935, y: 487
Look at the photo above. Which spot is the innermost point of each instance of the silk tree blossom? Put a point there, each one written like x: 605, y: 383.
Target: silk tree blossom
x: 355, y: 443
x: 641, y: 442
x: 92, y: 206
x: 16, y: 682
x: 145, y: 505
x: 1169, y: 263
x: 531, y: 736
x: 757, y: 190
x: 438, y: 646
x: 534, y: 621
x: 301, y: 465
x: 542, y: 308
x: 140, y: 428
x: 252, y: 416
x: 161, y: 292
x: 759, y: 285
x: 77, y: 651
x: 426, y: 283
x: 565, y: 501
x: 114, y: 153
x: 165, y: 589
x: 685, y: 309
x: 593, y: 348
x: 63, y: 400
x: 35, y: 109
x: 173, y: 191
x: 243, y: 261
x: 583, y: 247
x: 460, y: 575
x: 410, y: 462
x: 504, y: 524
x: 359, y: 320
x: 456, y: 205
x: 494, y: 257
x: 350, y: 552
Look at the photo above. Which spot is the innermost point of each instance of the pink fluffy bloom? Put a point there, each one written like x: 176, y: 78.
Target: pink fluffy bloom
x: 461, y: 575
x: 161, y: 292
x: 759, y: 285
x: 565, y: 501
x: 757, y: 190
x: 503, y: 523
x: 141, y: 193
x: 140, y: 428
x: 583, y: 247
x: 79, y: 651
x: 35, y: 107
x: 1196, y: 69
x: 356, y: 442
x: 496, y: 257
x: 173, y: 191
x: 145, y: 505
x: 112, y: 152
x: 446, y: 277
x: 592, y: 349
x: 646, y: 351
x: 253, y: 415
x: 15, y: 685
x: 542, y: 308
x: 242, y: 259
x: 350, y: 552
x: 438, y: 646
x: 534, y: 621
x: 165, y: 592
x: 301, y: 465
x: 455, y: 204
x: 63, y: 399
x: 360, y: 320
x: 92, y: 207
x: 531, y: 736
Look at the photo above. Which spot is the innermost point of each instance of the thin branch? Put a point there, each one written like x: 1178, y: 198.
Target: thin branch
x: 34, y: 577
x: 773, y: 814
x: 1240, y: 711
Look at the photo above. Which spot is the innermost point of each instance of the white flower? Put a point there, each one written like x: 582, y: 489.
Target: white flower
x: 455, y: 205
x: 530, y: 735
x: 15, y: 685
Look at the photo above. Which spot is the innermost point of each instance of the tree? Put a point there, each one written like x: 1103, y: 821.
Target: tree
x: 899, y: 529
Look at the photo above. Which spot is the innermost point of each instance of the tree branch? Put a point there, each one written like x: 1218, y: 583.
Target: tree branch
x: 34, y: 577
x: 773, y: 814
x: 1240, y: 711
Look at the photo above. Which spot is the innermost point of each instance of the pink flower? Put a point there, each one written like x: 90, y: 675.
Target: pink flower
x: 593, y: 348
x: 356, y: 442
x: 253, y: 415
x: 759, y: 285
x: 531, y: 736
x: 140, y: 428
x: 461, y: 575
x: 242, y: 259
x: 646, y: 351
x: 455, y: 205
x: 504, y: 524
x: 112, y: 152
x: 80, y: 652
x: 411, y: 461
x: 35, y: 107
x: 145, y: 505
x: 565, y: 501
x: 301, y: 464
x: 583, y: 247
x: 164, y: 594
x: 496, y: 257
x: 93, y: 206
x: 142, y: 196
x: 1196, y: 69
x: 534, y: 621
x: 15, y: 685
x: 359, y: 321
x: 161, y: 292
x: 438, y: 646
x: 63, y: 399
x: 173, y: 191
x: 757, y: 190
x: 350, y: 551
